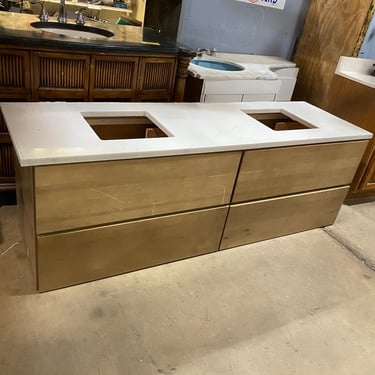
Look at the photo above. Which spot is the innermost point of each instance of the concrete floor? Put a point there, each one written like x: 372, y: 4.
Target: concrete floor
x: 301, y: 304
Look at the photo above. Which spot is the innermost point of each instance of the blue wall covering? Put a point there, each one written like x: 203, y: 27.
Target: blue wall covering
x: 367, y: 50
x: 232, y: 26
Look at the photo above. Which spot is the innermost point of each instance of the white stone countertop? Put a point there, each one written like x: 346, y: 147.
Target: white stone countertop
x: 47, y: 133
x: 256, y: 66
x: 356, y: 69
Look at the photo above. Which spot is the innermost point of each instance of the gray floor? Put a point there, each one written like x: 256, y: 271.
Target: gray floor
x: 301, y: 304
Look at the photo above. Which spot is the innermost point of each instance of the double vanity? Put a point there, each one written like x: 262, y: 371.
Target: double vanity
x: 108, y: 188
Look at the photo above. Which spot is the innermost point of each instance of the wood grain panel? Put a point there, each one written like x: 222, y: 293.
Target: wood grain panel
x: 368, y: 182
x: 75, y: 257
x: 3, y: 127
x: 88, y: 194
x: 113, y: 76
x: 157, y: 76
x: 260, y: 220
x: 287, y: 170
x: 6, y: 157
x: 355, y: 103
x: 60, y: 75
x: 331, y: 30
x: 26, y: 210
x: 12, y: 72
x: 15, y: 81
x: 181, y: 77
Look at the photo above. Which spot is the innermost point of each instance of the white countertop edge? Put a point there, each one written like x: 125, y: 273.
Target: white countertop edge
x: 35, y: 162
x: 47, y: 133
x: 356, y: 69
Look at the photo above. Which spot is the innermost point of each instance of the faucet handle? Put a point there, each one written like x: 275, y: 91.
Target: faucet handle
x: 80, y: 19
x: 43, y: 13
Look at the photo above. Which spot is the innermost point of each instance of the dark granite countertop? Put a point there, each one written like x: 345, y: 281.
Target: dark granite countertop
x: 15, y: 29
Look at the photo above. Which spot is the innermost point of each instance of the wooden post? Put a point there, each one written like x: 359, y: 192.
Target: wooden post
x: 181, y: 74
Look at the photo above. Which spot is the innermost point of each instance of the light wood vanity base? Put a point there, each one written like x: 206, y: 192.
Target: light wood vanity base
x: 87, y: 221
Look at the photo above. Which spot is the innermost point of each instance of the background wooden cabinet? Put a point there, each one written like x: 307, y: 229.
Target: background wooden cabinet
x: 60, y: 76
x: 331, y: 31
x: 355, y: 103
x: 15, y: 75
x: 7, y: 179
x: 113, y: 77
x: 156, y: 78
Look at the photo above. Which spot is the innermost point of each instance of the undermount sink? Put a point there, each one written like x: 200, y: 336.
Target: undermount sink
x: 217, y: 65
x: 73, y: 30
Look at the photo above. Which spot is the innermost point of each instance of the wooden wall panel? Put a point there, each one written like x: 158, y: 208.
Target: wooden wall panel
x: 331, y: 30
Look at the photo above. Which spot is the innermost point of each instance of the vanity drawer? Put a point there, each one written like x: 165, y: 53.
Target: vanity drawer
x: 269, y: 218
x: 74, y: 257
x: 90, y: 194
x: 287, y: 170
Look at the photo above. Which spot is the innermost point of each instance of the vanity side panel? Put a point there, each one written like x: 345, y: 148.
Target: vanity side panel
x: 26, y: 212
x: 287, y: 170
x: 269, y: 218
x: 87, y: 194
x: 79, y: 256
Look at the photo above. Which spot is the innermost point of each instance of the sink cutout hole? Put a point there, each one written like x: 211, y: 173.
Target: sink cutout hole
x: 124, y: 127
x: 278, y: 121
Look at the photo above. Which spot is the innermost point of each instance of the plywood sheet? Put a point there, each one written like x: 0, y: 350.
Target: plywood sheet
x: 331, y: 30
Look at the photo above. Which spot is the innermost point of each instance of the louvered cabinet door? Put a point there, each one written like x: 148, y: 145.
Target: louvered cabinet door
x: 7, y: 180
x: 113, y: 77
x: 156, y: 78
x: 15, y: 81
x: 60, y: 76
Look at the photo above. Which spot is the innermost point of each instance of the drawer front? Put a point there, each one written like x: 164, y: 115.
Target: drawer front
x: 79, y: 256
x: 213, y: 98
x: 278, y: 171
x: 89, y: 194
x: 269, y: 218
x: 240, y: 86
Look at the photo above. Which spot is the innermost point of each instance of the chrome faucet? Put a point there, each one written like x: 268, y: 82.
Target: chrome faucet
x: 62, y: 14
x: 80, y: 19
x: 43, y: 16
x: 208, y: 51
x: 43, y: 13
